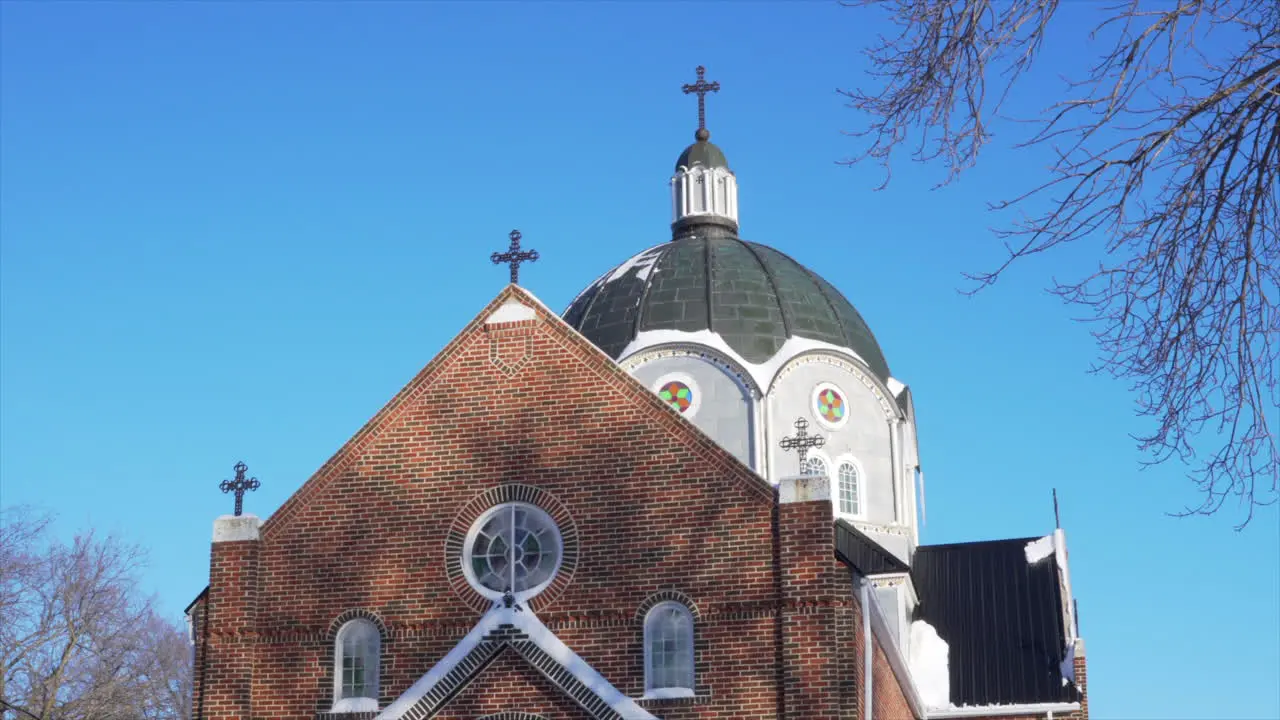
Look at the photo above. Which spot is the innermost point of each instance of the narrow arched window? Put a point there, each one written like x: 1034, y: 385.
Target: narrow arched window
x: 815, y: 466
x: 668, y: 650
x: 847, y: 490
x: 356, y: 651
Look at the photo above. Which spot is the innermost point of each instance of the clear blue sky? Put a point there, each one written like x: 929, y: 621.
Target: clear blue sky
x: 233, y: 231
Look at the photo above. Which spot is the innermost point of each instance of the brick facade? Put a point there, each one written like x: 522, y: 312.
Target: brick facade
x: 657, y: 510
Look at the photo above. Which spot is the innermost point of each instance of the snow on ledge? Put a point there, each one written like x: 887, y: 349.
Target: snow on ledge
x: 360, y: 704
x: 510, y: 311
x: 1038, y: 550
x: 929, y: 665
x: 985, y: 711
x: 667, y: 693
x: 528, y: 623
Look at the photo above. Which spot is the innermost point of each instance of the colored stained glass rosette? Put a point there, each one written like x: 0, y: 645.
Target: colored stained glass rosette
x: 831, y: 405
x: 677, y: 395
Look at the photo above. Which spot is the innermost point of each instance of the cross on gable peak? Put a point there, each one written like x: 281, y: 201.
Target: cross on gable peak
x: 514, y: 256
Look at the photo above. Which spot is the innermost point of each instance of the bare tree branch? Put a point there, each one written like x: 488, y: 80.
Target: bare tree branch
x: 1166, y: 152
x: 77, y: 641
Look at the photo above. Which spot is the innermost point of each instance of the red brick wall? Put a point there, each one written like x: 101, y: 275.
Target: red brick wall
x: 511, y: 684
x: 818, y: 679
x: 656, y: 505
x: 231, y: 604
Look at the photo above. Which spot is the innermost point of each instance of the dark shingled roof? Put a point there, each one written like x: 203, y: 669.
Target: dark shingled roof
x: 702, y: 153
x: 707, y: 279
x: 1001, y: 617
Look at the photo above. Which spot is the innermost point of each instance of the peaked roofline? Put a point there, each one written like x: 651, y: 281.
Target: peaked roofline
x: 607, y: 366
x: 521, y: 631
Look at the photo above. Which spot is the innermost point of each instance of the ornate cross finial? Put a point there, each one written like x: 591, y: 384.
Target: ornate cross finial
x: 239, y: 485
x: 514, y: 256
x: 802, y: 441
x: 702, y: 87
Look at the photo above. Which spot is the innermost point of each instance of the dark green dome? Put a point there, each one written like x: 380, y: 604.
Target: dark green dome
x: 703, y: 152
x: 751, y: 295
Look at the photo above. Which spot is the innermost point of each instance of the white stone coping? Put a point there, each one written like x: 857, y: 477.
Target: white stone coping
x: 233, y: 528
x: 803, y: 488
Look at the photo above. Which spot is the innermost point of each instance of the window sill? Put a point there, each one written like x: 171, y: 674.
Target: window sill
x: 670, y: 698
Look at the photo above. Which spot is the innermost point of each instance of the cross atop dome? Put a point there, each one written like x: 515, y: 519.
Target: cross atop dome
x: 701, y: 87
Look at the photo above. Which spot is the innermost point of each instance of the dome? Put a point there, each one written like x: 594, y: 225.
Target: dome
x: 754, y: 297
x: 704, y: 153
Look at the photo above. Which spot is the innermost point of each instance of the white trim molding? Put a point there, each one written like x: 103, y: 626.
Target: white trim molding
x: 1046, y: 709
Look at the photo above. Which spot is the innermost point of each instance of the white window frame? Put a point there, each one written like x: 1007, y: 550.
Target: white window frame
x: 834, y: 474
x: 469, y: 543
x: 650, y: 619
x: 364, y: 703
x: 821, y: 457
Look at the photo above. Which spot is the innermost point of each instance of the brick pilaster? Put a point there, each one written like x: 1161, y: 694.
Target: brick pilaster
x: 231, y: 608
x: 815, y: 594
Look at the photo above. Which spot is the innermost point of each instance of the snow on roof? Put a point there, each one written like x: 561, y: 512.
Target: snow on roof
x: 1038, y: 550
x: 928, y: 663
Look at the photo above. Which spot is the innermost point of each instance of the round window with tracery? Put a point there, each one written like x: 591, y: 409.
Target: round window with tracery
x: 679, y: 391
x: 514, y: 546
x: 677, y: 395
x: 829, y: 405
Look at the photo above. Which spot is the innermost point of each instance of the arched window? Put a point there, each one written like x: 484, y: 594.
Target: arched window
x: 815, y: 465
x: 848, y: 490
x: 668, y: 650
x: 356, y: 652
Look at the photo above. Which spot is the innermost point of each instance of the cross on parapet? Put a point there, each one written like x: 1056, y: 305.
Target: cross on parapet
x: 239, y: 485
x: 514, y: 256
x: 701, y: 87
x: 802, y: 441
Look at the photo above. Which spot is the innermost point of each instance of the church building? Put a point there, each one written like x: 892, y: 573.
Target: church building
x: 699, y: 497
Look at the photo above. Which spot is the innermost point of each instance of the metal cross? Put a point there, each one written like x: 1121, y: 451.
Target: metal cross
x: 702, y: 87
x: 514, y: 256
x: 802, y: 441
x: 239, y: 485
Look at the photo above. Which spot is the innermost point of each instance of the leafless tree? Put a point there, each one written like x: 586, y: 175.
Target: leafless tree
x: 1166, y: 152
x: 77, y: 640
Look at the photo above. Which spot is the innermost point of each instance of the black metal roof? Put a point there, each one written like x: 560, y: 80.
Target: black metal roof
x: 1001, y: 617
x: 862, y: 553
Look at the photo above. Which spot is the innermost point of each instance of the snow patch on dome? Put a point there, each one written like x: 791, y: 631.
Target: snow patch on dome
x: 642, y: 264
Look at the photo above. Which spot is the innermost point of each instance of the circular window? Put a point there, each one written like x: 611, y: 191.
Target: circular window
x: 830, y: 406
x: 514, y: 547
x: 678, y: 391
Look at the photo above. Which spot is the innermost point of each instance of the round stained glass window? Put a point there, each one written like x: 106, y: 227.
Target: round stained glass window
x: 679, y: 391
x: 829, y: 405
x: 677, y: 395
x: 512, y: 547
